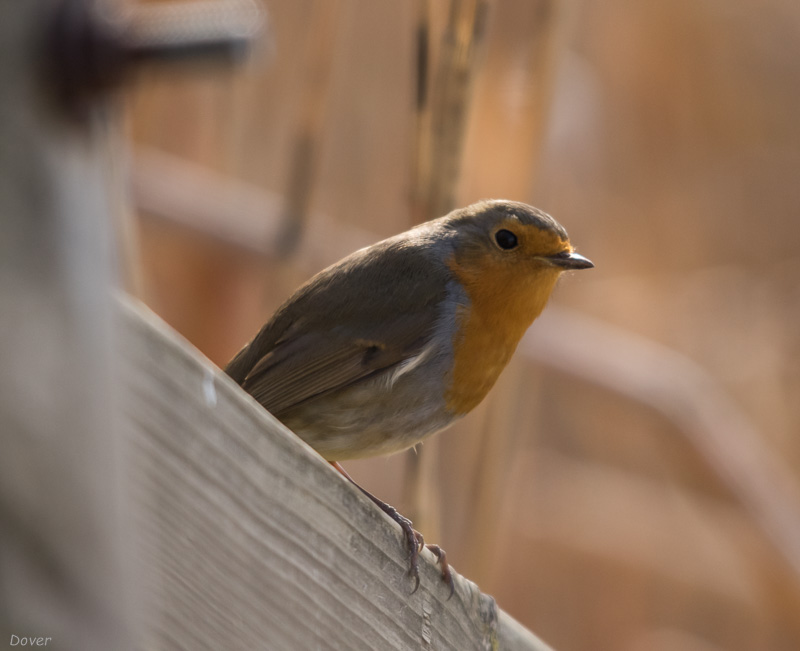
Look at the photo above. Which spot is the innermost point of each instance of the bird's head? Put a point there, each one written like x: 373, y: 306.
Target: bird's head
x: 509, y: 255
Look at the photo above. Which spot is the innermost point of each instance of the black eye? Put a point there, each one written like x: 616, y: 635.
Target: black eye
x: 505, y: 239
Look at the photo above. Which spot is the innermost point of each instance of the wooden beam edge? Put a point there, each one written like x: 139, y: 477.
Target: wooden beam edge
x: 246, y: 538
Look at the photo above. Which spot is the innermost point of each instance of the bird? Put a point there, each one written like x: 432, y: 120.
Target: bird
x: 400, y: 339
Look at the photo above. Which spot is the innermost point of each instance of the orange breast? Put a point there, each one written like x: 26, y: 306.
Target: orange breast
x: 503, y: 304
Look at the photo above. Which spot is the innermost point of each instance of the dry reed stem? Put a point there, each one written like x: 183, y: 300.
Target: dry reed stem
x: 441, y: 114
x: 313, y: 103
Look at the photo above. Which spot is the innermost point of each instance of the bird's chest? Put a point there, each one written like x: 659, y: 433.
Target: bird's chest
x: 487, y: 334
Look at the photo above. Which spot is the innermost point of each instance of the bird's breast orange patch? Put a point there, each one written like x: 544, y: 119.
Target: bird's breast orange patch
x: 503, y: 302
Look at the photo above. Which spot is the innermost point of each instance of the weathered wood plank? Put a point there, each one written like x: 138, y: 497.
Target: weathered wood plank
x: 248, y: 539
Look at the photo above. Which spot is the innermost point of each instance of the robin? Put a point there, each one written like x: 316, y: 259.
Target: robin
x: 400, y: 339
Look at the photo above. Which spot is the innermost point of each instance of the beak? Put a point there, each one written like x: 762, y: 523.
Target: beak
x: 570, y: 260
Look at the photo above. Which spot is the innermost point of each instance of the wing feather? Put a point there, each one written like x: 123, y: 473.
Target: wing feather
x: 369, y: 313
x: 316, y: 363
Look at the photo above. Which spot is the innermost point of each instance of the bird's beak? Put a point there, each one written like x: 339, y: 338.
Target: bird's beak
x: 569, y: 260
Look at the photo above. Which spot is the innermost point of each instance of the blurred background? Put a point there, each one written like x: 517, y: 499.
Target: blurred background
x: 631, y: 482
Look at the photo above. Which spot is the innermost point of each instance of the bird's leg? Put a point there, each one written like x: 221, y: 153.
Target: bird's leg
x: 414, y: 539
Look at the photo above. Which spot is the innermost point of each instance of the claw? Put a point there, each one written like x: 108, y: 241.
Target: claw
x: 414, y: 542
x: 447, y: 575
x: 419, y: 538
x: 414, y: 539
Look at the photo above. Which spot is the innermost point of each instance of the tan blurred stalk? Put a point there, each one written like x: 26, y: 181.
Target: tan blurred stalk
x: 324, y: 20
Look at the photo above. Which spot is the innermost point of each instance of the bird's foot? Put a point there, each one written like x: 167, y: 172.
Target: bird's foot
x: 415, y: 542
x: 447, y: 575
x: 414, y: 539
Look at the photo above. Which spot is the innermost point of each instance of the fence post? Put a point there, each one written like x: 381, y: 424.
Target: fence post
x: 61, y: 544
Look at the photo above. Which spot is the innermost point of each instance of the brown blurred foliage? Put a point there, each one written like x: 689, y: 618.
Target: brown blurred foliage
x: 665, y: 137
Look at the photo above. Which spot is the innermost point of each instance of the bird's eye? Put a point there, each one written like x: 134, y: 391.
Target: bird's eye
x: 505, y: 239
